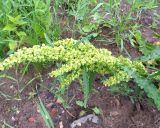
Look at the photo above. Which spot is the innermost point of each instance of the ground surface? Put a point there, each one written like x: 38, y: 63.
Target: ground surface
x: 117, y: 111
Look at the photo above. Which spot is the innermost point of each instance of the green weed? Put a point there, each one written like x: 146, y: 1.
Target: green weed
x: 80, y: 60
x: 26, y: 22
x: 123, y: 24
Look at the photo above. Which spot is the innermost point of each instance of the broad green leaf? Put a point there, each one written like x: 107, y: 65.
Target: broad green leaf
x: 80, y: 103
x: 21, y: 34
x: 12, y: 45
x: 21, y: 22
x: 94, y: 34
x: 9, y: 27
x: 88, y: 28
x: 97, y: 16
x: 16, y: 20
x: 96, y: 110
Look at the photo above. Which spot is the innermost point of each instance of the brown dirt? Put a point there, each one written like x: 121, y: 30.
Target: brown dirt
x: 146, y: 20
x: 117, y: 111
x: 116, y: 51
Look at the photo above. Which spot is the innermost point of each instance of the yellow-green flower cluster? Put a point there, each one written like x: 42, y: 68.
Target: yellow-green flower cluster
x: 75, y: 57
x: 117, y: 78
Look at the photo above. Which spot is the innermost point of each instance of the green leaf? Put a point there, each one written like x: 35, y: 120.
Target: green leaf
x: 16, y: 20
x: 94, y: 35
x: 21, y: 22
x: 87, y: 28
x: 152, y: 55
x: 98, y: 18
x: 48, y: 39
x: 96, y: 110
x: 45, y: 114
x: 146, y: 84
x: 80, y: 103
x: 144, y: 47
x: 87, y: 79
x: 9, y: 27
x: 12, y: 19
x: 21, y: 34
x: 12, y: 45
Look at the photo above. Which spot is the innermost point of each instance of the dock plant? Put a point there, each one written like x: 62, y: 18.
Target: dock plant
x: 82, y: 61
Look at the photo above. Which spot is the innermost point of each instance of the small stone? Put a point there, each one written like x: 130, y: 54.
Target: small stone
x: 91, y: 117
x: 13, y: 118
x: 38, y: 110
x: 61, y: 124
x: 31, y: 119
x: 59, y: 101
x: 79, y: 124
x: 17, y: 112
x: 63, y: 111
x: 115, y: 113
x: 54, y: 111
x: 11, y: 87
x: 49, y: 105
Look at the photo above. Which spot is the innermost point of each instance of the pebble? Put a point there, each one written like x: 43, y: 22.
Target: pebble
x: 115, y: 113
x: 63, y: 111
x: 31, y: 119
x: 11, y: 87
x: 91, y: 117
x: 49, y: 105
x: 54, y: 111
x: 61, y: 124
x: 58, y: 101
x: 13, y: 118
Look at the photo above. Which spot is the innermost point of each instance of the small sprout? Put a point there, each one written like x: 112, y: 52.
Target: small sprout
x: 80, y: 103
x: 32, y: 95
x: 96, y: 110
x: 82, y: 113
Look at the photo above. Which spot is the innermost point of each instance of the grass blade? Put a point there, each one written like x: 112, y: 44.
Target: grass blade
x: 45, y: 114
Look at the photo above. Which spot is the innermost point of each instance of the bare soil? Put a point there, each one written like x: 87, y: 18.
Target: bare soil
x: 117, y: 110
